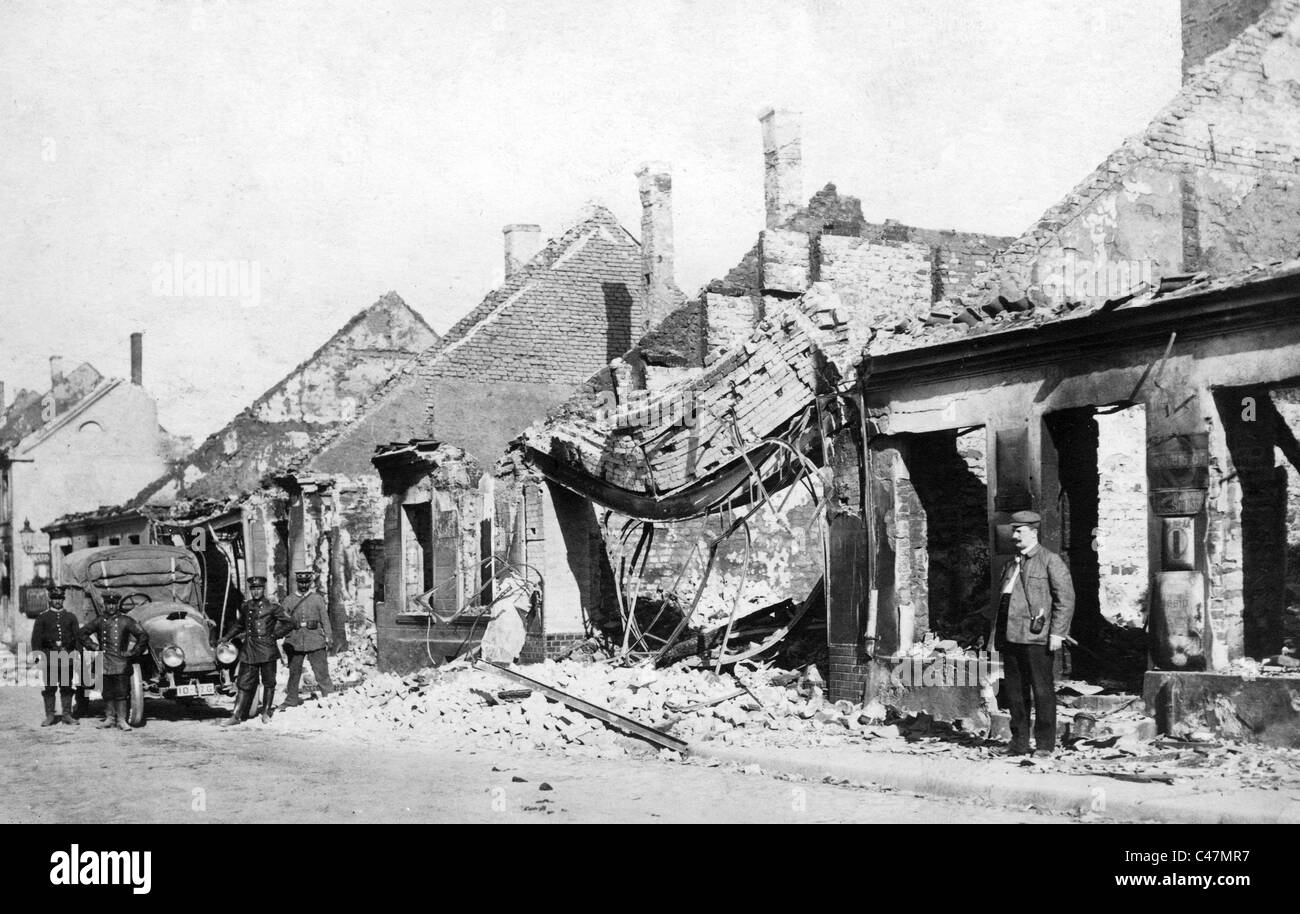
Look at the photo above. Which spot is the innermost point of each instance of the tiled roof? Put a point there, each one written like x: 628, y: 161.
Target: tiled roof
x: 529, y: 329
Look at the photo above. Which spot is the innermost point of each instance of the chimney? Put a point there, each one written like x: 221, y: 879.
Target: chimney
x: 56, y: 370
x: 782, y: 164
x: 656, y: 185
x: 523, y: 241
x: 137, y: 358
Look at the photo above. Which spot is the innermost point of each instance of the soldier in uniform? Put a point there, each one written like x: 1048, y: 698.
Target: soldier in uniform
x: 121, y: 639
x: 309, y: 639
x: 262, y: 622
x: 56, y: 635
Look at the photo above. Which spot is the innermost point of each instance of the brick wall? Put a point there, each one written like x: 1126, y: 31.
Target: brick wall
x: 1209, y: 25
x: 1212, y: 184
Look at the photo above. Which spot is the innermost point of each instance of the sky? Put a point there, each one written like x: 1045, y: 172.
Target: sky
x: 341, y: 150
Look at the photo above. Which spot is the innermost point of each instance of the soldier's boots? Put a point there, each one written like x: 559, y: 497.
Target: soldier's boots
x: 268, y: 700
x: 49, y: 711
x: 110, y: 715
x: 67, y: 716
x: 242, y: 700
x: 123, y: 717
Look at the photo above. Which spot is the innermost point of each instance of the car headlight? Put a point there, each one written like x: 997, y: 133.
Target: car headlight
x: 227, y: 652
x: 173, y: 656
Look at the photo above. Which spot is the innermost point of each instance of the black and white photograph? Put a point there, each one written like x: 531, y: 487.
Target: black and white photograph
x: 782, y: 412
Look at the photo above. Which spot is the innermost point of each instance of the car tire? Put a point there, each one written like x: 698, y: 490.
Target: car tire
x: 135, y: 713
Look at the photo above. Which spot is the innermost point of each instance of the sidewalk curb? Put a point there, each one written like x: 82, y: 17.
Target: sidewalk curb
x: 892, y: 770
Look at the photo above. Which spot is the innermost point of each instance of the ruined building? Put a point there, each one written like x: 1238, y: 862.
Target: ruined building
x: 1127, y: 368
x: 214, y: 500
x: 86, y: 441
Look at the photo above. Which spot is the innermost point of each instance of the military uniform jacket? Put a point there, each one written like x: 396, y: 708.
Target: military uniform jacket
x: 120, y: 638
x: 261, y: 624
x: 305, y: 609
x: 56, y: 630
x: 1044, y: 584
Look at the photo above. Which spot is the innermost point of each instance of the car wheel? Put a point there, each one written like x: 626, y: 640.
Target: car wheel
x: 135, y: 714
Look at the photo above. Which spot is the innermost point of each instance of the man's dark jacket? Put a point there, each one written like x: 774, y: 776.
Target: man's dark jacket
x: 1044, y: 584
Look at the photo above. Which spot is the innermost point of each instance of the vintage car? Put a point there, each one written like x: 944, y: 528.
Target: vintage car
x: 162, y: 588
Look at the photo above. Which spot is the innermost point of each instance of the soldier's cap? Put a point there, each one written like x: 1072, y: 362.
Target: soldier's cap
x: 257, y: 581
x: 304, y: 575
x: 112, y: 597
x: 56, y: 590
x: 1025, y: 519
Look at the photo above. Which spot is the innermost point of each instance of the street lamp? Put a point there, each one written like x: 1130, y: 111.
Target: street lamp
x: 28, y: 537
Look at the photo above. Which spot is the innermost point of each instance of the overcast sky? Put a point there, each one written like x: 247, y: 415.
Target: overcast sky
x: 347, y: 149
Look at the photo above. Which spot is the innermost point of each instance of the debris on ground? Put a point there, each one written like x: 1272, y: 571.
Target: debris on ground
x: 757, y: 705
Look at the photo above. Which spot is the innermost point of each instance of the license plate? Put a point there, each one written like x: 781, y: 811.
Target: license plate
x: 207, y: 688
x: 186, y: 691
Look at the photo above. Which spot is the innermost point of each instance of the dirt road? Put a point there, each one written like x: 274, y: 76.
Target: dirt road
x: 182, y: 767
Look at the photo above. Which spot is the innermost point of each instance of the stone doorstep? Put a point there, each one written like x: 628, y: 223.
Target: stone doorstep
x: 1143, y: 729
x: 1100, y: 704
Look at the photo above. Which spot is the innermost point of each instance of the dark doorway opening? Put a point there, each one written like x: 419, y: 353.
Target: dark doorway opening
x: 1095, y: 516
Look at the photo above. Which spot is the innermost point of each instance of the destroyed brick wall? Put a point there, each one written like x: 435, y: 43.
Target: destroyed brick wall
x: 1209, y: 25
x: 1212, y: 184
x: 784, y: 559
x: 279, y: 428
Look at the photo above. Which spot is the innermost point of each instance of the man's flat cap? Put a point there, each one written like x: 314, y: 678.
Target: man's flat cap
x: 112, y: 597
x: 56, y: 590
x: 1025, y: 518
x: 257, y: 581
x: 304, y: 575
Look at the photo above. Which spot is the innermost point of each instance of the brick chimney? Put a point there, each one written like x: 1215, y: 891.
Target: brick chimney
x: 656, y: 185
x: 137, y: 358
x: 782, y: 164
x: 523, y: 241
x: 56, y: 370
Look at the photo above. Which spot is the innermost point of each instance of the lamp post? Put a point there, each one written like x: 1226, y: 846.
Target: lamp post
x: 28, y: 537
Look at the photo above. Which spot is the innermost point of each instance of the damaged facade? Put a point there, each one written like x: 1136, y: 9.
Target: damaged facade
x: 563, y: 311
x: 1126, y: 368
x: 216, y: 502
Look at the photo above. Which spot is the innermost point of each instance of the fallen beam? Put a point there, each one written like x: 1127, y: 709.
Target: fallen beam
x: 605, y: 715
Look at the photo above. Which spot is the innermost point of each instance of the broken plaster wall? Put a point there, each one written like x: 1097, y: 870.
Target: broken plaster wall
x: 1121, y: 534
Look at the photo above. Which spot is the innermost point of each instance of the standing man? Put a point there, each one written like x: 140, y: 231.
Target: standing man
x: 121, y: 639
x: 309, y: 639
x: 56, y: 635
x: 1033, y: 620
x: 261, y: 623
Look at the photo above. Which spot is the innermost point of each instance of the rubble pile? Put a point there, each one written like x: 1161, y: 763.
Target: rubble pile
x: 689, y: 704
